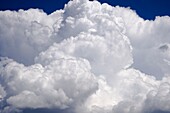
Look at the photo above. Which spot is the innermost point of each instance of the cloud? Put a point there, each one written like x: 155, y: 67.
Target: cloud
x: 88, y: 58
x: 59, y: 84
x: 147, y: 38
x: 23, y: 26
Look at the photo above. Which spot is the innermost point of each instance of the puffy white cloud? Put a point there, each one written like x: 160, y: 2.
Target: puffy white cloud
x: 59, y: 84
x: 104, y: 55
x: 159, y: 99
x: 147, y: 38
x: 88, y: 58
x: 2, y: 93
x: 27, y: 34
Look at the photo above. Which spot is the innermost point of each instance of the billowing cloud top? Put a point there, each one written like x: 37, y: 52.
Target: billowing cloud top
x: 87, y: 58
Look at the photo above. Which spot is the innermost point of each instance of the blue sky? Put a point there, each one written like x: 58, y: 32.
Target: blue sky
x: 147, y: 9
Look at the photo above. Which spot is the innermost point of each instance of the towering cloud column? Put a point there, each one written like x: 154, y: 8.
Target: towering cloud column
x: 87, y: 58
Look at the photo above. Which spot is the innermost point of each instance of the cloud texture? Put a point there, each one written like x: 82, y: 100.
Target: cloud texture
x: 87, y: 58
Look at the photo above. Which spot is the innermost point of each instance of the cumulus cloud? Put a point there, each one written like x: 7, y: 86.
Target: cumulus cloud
x: 88, y: 58
x: 150, y: 41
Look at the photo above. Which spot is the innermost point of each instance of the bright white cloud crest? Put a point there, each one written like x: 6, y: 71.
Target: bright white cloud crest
x: 88, y: 57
